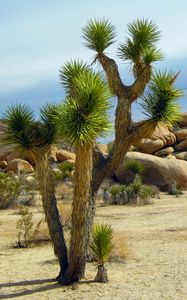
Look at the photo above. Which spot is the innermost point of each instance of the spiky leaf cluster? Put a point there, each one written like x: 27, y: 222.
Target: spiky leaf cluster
x: 25, y: 132
x: 140, y: 47
x: 84, y: 117
x: 160, y: 100
x: 101, y: 243
x: 70, y: 71
x: 99, y: 35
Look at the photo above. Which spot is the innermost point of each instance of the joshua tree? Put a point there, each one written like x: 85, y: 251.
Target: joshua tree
x: 37, y: 137
x: 101, y: 245
x: 83, y: 118
x: 159, y: 103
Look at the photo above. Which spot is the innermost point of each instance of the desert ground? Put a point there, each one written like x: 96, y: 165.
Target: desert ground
x: 155, y: 266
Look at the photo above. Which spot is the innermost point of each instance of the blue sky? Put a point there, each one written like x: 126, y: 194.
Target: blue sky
x: 38, y: 36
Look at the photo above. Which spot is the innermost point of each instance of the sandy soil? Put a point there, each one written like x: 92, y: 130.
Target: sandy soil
x: 155, y: 269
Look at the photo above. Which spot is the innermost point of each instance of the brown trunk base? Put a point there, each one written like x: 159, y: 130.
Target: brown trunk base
x: 101, y: 275
x: 66, y: 279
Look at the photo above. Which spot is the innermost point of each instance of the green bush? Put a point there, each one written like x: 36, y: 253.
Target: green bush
x: 133, y: 193
x: 9, y: 190
x: 66, y: 168
x: 24, y: 227
x: 27, y: 233
x: 139, y: 193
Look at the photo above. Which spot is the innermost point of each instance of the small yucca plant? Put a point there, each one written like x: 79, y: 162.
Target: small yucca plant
x: 101, y: 245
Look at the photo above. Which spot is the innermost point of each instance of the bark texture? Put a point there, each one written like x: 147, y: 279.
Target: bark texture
x: 78, y: 242
x: 101, y: 274
x: 53, y: 218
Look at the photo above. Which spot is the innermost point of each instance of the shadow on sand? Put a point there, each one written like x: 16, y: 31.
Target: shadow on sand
x: 47, y: 287
x: 44, y: 288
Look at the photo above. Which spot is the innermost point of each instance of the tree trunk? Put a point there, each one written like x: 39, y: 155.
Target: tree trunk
x: 101, y: 274
x: 53, y: 219
x: 78, y: 249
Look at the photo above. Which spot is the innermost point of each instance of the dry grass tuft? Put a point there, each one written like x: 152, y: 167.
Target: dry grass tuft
x: 65, y: 210
x: 121, y: 250
x: 64, y: 191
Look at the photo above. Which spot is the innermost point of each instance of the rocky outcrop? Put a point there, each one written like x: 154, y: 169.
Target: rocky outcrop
x: 158, y: 171
x: 161, y: 138
x: 182, y: 146
x: 181, y: 134
x: 165, y: 152
x: 181, y: 155
x: 19, y: 165
x: 63, y: 155
x: 150, y: 146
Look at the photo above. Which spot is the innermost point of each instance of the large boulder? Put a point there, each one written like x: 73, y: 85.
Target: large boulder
x: 19, y: 165
x: 181, y: 134
x: 163, y: 133
x: 182, y: 146
x: 150, y: 146
x: 63, y: 155
x: 165, y: 152
x: 181, y: 155
x: 158, y: 171
x: 15, y: 154
x: 162, y: 137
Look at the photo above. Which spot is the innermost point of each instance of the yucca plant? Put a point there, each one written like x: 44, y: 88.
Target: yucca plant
x: 83, y: 117
x: 99, y: 35
x: 101, y: 246
x: 160, y: 102
x: 36, y: 137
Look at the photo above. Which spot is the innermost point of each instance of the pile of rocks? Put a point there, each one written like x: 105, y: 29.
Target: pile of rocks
x: 167, y: 143
x: 17, y: 161
x: 164, y: 156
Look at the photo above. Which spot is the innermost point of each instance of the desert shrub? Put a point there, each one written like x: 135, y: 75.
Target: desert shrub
x: 174, y: 189
x: 120, y: 250
x: 118, y: 194
x: 133, y: 193
x: 40, y: 233
x: 57, y: 175
x: 9, y: 190
x: 27, y: 232
x: 101, y: 246
x: 24, y: 227
x: 115, y: 189
x: 139, y: 193
x: 133, y: 167
x: 66, y: 168
x: 65, y: 211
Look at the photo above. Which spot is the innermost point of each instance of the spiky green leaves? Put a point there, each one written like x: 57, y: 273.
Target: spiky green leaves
x: 25, y: 132
x: 140, y: 46
x: 160, y: 100
x: 18, y: 120
x: 70, y: 71
x: 101, y: 243
x: 99, y: 35
x: 84, y: 117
